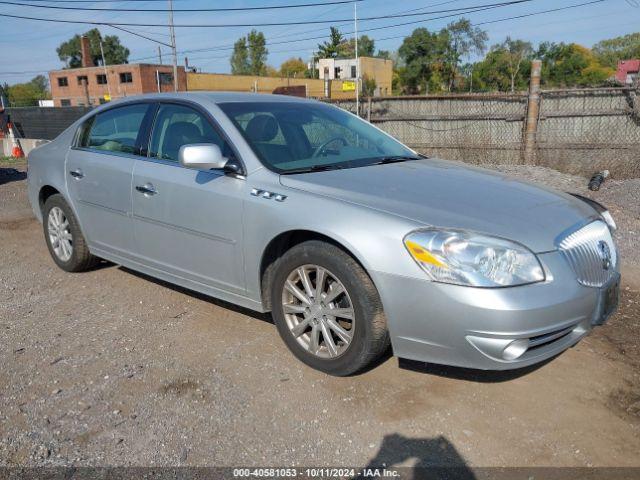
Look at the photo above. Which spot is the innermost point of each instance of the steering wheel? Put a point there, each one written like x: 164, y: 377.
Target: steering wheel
x: 320, y: 149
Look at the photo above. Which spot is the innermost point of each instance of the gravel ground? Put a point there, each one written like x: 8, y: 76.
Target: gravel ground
x: 111, y: 368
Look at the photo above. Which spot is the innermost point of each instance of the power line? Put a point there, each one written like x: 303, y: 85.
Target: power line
x: 140, y: 35
x: 97, y: 1
x: 504, y: 19
x: 165, y: 10
x: 285, y: 35
x: 281, y: 42
x: 222, y: 25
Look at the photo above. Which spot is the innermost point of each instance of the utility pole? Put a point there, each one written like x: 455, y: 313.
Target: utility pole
x: 533, y: 111
x: 313, y: 64
x: 172, y: 33
x: 160, y: 55
x: 104, y: 65
x: 355, y: 23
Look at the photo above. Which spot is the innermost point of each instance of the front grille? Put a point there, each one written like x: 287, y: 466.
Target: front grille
x: 587, y: 254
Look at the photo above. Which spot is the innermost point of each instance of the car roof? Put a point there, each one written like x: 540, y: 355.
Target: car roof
x: 219, y: 97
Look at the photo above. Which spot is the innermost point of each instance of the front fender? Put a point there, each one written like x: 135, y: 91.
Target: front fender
x: 374, y: 238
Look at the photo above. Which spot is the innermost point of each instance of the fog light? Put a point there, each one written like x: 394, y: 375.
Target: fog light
x: 515, y: 349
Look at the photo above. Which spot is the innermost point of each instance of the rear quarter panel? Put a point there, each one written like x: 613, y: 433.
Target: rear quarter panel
x: 46, y: 166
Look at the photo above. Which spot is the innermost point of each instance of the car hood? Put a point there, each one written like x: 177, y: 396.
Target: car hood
x: 450, y: 194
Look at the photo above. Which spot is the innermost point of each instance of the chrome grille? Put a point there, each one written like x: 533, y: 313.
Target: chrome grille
x: 586, y: 253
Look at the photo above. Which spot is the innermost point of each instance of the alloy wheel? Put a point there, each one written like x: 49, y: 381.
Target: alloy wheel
x: 318, y: 311
x: 59, y: 232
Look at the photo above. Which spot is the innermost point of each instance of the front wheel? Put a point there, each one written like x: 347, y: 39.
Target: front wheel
x: 327, y: 310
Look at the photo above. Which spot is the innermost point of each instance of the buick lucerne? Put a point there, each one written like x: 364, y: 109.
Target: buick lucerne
x: 354, y: 242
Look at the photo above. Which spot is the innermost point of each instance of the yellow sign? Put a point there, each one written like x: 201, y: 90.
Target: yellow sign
x: 348, y: 86
x: 107, y: 97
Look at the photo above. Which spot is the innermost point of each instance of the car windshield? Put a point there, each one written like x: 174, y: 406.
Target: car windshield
x: 295, y: 137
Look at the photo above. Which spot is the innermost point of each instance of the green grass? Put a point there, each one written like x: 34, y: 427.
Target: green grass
x: 10, y: 161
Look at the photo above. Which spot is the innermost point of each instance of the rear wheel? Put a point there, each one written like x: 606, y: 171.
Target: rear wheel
x: 65, y: 241
x: 327, y: 309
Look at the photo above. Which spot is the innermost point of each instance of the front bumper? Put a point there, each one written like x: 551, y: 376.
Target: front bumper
x: 470, y: 327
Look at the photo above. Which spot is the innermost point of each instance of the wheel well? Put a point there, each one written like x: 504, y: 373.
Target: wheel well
x: 45, y: 193
x: 281, y: 244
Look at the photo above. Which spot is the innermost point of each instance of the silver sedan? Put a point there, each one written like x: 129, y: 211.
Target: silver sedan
x: 353, y: 241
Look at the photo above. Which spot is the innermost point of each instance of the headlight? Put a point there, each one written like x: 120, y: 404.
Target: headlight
x: 467, y: 258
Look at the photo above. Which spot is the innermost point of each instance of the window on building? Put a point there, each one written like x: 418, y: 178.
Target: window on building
x: 65, y: 102
x: 353, y: 71
x: 177, y: 125
x: 126, y: 77
x: 82, y: 79
x: 336, y: 72
x: 165, y: 78
x: 101, y: 79
x: 63, y: 82
x: 115, y: 130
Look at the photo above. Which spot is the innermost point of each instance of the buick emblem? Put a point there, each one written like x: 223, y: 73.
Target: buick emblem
x: 605, y: 254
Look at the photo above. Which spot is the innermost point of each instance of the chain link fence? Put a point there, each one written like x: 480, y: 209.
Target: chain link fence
x: 578, y: 131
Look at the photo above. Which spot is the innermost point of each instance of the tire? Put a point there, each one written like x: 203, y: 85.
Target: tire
x: 367, y: 329
x: 79, y: 258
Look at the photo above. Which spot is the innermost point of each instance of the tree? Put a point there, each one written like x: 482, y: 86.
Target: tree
x: 27, y: 94
x: 240, y: 58
x: 257, y: 52
x: 366, y: 47
x: 114, y: 52
x: 386, y: 54
x: 506, y: 67
x: 293, y: 67
x: 462, y: 39
x: 421, y: 55
x: 270, y: 71
x: 249, y: 55
x: 514, y: 53
x: 331, y: 49
x: 368, y: 86
x: 610, y: 52
x: 569, y: 65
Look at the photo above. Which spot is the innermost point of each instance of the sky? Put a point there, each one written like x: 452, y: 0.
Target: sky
x: 28, y: 48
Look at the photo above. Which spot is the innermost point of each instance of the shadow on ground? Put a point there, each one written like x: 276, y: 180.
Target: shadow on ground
x: 471, y: 374
x: 8, y: 175
x: 430, y: 458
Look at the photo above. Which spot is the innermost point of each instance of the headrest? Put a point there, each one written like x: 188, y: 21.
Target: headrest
x: 262, y: 128
x: 183, y: 131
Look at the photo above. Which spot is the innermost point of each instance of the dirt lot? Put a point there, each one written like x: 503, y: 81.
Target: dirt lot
x: 113, y: 368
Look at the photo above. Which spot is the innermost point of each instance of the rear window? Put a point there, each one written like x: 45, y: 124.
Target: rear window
x: 115, y: 130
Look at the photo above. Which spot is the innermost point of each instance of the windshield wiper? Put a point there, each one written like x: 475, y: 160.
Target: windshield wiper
x: 395, y: 159
x: 314, y: 168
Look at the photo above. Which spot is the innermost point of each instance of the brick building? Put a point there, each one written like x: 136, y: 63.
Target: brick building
x: 71, y: 87
x: 93, y: 85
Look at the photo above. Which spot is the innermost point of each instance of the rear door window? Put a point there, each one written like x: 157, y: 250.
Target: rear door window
x: 116, y: 130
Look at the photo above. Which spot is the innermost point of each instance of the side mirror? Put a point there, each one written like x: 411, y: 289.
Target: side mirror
x: 203, y: 156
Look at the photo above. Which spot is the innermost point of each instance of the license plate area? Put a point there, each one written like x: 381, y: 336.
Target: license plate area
x: 608, y: 301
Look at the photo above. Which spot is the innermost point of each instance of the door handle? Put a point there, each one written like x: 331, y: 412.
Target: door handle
x: 77, y: 174
x: 147, y: 189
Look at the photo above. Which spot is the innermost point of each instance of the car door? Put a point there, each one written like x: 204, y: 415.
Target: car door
x: 99, y: 171
x: 188, y: 222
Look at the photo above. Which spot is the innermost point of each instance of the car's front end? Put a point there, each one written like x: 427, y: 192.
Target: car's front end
x: 508, y: 327
x: 498, y: 275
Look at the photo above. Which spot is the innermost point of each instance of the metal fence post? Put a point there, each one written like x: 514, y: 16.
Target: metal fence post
x: 533, y: 110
